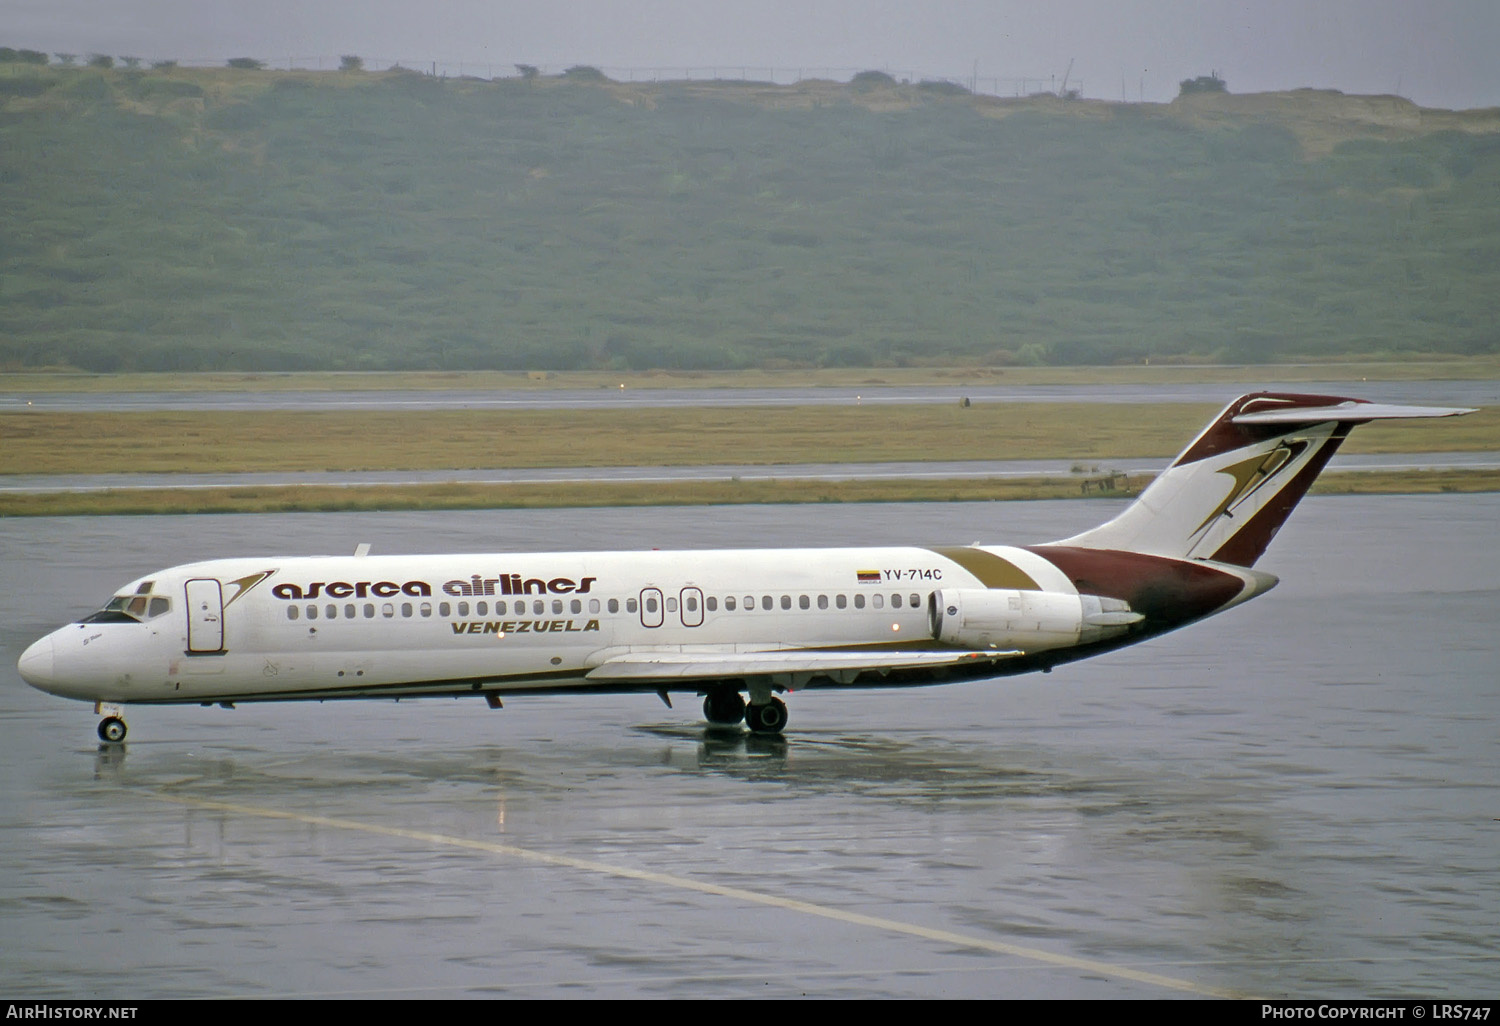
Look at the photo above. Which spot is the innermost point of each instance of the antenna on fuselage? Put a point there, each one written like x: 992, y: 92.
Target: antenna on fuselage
x: 362, y: 549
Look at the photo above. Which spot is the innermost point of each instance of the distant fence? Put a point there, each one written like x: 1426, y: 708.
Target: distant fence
x: 990, y: 85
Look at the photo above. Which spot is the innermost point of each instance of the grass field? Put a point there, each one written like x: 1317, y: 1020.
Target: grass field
x: 197, y: 442
x: 1091, y: 434
x: 330, y: 498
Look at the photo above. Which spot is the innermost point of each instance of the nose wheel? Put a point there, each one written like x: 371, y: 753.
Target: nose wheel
x: 112, y: 729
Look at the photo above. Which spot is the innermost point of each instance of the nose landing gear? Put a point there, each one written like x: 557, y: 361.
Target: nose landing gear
x: 112, y: 728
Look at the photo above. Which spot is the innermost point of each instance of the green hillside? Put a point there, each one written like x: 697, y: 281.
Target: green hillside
x: 184, y: 219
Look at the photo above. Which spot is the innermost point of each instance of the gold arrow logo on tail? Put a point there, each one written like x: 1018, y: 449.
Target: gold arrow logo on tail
x: 1249, y: 475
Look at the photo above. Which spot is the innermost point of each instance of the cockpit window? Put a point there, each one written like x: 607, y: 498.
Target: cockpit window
x: 131, y: 608
x: 113, y: 612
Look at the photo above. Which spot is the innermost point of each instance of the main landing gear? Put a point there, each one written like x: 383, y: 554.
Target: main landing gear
x: 769, y: 718
x: 724, y: 707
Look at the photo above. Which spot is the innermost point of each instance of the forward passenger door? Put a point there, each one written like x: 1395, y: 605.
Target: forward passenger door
x: 205, y: 613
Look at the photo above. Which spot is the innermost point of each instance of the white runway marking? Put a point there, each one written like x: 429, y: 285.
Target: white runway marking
x: 1086, y: 965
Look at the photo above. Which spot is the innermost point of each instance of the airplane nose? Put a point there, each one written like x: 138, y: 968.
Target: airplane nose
x: 36, y: 664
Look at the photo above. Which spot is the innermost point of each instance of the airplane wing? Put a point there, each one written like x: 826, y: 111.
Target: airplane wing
x: 800, y: 664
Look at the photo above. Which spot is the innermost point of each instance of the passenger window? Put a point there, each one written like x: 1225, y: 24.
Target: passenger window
x: 576, y: 606
x: 557, y: 605
x: 425, y: 609
x: 291, y: 612
x: 594, y: 606
x: 895, y: 601
x: 630, y: 605
x: 786, y: 602
x: 803, y: 602
x: 842, y: 601
x: 728, y: 603
x: 387, y: 610
x: 712, y: 603
x: 349, y: 610
x: 614, y: 606
x: 651, y: 605
x: 916, y: 600
x: 765, y: 602
x: 483, y: 608
x: 312, y: 612
x: 463, y: 609
x: 331, y: 611
x: 406, y: 609
x: 444, y: 609
x: 877, y: 602
x: 369, y: 610
x: 539, y: 607
x: 691, y: 604
x: 822, y: 601
x: 671, y: 605
x: 859, y: 602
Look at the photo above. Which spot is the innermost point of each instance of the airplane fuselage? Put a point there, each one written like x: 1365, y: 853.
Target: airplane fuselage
x: 364, y: 626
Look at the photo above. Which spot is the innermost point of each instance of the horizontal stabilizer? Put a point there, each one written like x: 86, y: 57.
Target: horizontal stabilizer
x: 676, y: 665
x: 1352, y: 411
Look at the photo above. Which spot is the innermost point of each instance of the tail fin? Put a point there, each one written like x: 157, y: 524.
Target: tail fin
x: 1230, y: 491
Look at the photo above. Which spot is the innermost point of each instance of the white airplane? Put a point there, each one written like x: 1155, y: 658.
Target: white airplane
x: 713, y: 623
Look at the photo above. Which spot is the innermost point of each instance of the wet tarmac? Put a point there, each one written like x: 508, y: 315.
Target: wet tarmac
x: 1295, y: 799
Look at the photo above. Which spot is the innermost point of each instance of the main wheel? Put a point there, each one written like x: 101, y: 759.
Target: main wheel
x: 723, y: 706
x: 766, y: 719
x: 112, y: 729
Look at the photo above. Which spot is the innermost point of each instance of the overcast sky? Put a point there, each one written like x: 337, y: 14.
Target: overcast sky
x: 1440, y: 53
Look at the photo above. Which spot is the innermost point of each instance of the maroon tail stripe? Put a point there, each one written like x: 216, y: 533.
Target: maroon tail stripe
x: 1224, y: 435
x: 1249, y: 543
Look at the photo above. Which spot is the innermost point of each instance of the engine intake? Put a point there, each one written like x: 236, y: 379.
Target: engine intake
x: 1031, y: 621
